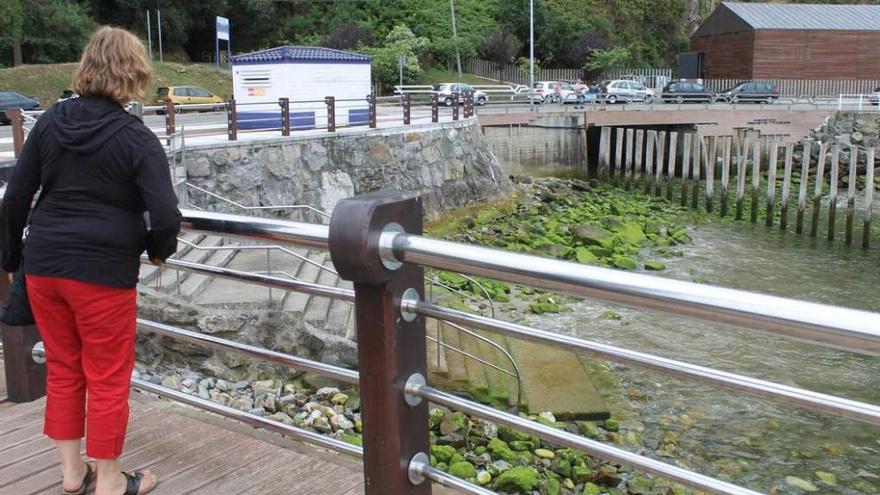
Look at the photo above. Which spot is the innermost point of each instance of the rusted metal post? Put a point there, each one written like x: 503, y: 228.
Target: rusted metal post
x: 170, y: 126
x: 407, y: 104
x: 455, y: 97
x: 14, y: 116
x: 435, y: 108
x: 330, y: 101
x: 284, y: 103
x: 232, y: 120
x: 391, y: 344
x: 25, y: 379
x: 371, y: 112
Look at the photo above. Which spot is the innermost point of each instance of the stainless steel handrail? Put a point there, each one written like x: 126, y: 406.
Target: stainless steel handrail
x: 273, y: 247
x: 812, y: 400
x: 598, y: 449
x: 257, y: 208
x: 850, y: 329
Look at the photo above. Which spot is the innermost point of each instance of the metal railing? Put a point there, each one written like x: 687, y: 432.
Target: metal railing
x: 375, y: 241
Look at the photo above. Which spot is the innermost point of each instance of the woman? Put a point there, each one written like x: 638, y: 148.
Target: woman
x: 106, y: 197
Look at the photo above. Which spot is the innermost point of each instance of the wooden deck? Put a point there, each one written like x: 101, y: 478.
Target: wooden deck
x: 191, y: 452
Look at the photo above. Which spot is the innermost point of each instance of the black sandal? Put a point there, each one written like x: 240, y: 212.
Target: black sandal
x: 87, y: 480
x: 133, y: 483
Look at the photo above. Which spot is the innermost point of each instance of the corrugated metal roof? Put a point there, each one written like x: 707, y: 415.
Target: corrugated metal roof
x: 808, y: 16
x: 307, y: 54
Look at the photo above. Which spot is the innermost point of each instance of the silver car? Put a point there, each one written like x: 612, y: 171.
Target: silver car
x: 445, y: 92
x: 625, y: 91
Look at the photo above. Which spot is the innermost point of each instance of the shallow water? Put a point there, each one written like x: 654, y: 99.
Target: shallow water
x: 750, y: 441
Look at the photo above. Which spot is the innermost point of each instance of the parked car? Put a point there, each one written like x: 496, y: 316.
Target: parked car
x: 545, y: 92
x: 875, y: 97
x: 445, y: 92
x: 687, y: 92
x: 756, y: 92
x: 11, y: 99
x: 185, y: 95
x: 625, y: 91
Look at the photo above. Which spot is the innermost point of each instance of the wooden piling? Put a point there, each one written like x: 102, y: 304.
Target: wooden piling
x: 756, y: 179
x: 637, y: 169
x: 851, y: 192
x: 771, y: 181
x: 628, y: 162
x: 711, y: 162
x: 649, y: 160
x: 742, y: 153
x: 786, y: 188
x: 817, y: 191
x: 618, y: 154
x: 685, y: 166
x: 802, y: 191
x: 670, y: 166
x: 869, y: 197
x: 661, y: 153
x: 604, y: 152
x: 725, y: 174
x: 832, y: 191
x: 697, y: 155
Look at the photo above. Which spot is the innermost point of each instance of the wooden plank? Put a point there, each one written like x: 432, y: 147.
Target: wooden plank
x: 786, y: 188
x: 685, y: 166
x: 711, y: 163
x: 802, y: 192
x: 832, y: 191
x: 618, y: 153
x: 741, y: 156
x: 772, y: 163
x: 604, y: 151
x: 869, y: 197
x: 851, y: 191
x: 817, y: 191
x: 670, y: 166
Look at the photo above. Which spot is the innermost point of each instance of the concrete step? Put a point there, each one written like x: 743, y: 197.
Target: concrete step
x: 192, y: 254
x: 297, y: 301
x: 339, y: 314
x: 319, y: 307
x: 233, y: 294
x: 195, y: 284
x: 149, y: 273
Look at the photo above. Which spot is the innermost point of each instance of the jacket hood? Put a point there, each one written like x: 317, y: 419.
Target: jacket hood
x: 85, y: 124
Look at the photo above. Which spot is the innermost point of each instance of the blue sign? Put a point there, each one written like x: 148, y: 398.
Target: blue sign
x: 222, y: 28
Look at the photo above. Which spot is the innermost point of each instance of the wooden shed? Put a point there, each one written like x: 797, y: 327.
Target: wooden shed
x: 790, y: 41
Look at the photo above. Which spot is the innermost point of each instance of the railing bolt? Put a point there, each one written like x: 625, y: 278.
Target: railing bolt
x: 38, y: 353
x: 414, y: 382
x: 416, y: 464
x: 409, y: 299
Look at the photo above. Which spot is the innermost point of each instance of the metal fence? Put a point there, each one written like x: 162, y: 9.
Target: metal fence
x: 805, y: 88
x: 375, y: 241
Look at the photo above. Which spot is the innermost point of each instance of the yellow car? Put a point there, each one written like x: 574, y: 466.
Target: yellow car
x: 187, y: 95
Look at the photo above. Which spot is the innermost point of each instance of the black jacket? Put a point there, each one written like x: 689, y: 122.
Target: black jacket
x: 100, y: 169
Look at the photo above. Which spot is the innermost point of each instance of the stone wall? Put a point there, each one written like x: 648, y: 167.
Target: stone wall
x: 449, y: 163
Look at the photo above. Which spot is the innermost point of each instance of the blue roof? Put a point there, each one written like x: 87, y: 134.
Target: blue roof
x: 301, y: 54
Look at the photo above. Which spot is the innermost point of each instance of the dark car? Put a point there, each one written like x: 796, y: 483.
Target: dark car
x: 687, y: 92
x: 11, y: 99
x: 751, y: 91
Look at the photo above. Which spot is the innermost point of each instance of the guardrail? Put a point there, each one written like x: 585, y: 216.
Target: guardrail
x: 375, y: 241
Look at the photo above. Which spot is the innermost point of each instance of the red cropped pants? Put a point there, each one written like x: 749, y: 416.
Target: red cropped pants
x: 88, y: 332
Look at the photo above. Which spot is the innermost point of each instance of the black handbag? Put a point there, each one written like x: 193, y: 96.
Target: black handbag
x: 17, y: 308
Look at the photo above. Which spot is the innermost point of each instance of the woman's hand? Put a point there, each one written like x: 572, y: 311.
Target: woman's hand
x: 9, y: 276
x: 155, y: 261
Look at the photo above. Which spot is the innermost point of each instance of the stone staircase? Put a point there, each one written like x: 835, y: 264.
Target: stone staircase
x: 331, y: 315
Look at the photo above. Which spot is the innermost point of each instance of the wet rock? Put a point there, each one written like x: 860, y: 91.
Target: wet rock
x: 517, y: 479
x: 590, y: 235
x: 484, y: 478
x: 326, y: 393
x: 545, y: 454
x: 455, y: 440
x: 463, y: 470
x: 172, y: 382
x: 826, y: 477
x: 800, y: 483
x: 455, y: 422
x: 550, y: 487
x: 654, y: 266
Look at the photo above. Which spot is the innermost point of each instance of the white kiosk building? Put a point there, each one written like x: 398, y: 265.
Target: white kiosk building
x: 305, y: 75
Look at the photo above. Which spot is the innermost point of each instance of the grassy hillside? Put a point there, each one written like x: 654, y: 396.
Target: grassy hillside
x: 47, y: 81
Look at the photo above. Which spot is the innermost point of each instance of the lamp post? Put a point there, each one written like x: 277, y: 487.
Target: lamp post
x: 455, y: 38
x: 531, y: 48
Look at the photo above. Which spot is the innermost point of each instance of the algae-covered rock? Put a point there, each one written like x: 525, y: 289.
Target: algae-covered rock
x: 520, y: 446
x: 680, y: 237
x: 545, y: 453
x: 483, y: 478
x: 800, y: 483
x: 550, y: 487
x: 826, y: 477
x: 589, y: 235
x: 442, y: 452
x: 655, y: 266
x: 562, y: 467
x: 517, y: 479
x: 581, y: 474
x: 639, y: 485
x: 591, y: 489
x: 500, y: 450
x: 463, y: 470
x: 631, y: 233
x: 584, y: 255
x: 624, y: 262
x: 612, y: 424
x: 455, y: 422
x: 435, y: 417
x: 610, y: 315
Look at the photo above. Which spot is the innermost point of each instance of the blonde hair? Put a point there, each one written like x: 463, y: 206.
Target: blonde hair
x: 114, y: 64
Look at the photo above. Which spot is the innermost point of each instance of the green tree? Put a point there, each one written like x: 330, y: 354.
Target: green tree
x: 602, y: 60
x: 400, y: 41
x: 44, y: 31
x: 12, y: 28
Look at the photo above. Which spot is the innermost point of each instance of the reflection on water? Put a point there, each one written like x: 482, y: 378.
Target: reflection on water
x: 748, y: 440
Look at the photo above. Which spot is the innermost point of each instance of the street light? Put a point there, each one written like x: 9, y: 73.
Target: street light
x: 531, y: 49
